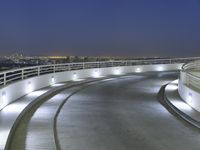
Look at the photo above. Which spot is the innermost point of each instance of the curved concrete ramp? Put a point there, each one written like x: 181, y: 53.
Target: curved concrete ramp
x: 113, y: 114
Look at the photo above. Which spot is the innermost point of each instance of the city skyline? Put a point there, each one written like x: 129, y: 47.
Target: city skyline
x: 101, y: 28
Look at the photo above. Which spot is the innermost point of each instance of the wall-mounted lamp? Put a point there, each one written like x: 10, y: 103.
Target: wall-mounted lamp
x: 117, y: 71
x: 160, y: 68
x: 4, y: 95
x: 75, y: 76
x: 190, y: 98
x: 29, y: 83
x: 96, y: 74
x: 138, y: 70
x: 30, y: 88
x: 52, y: 80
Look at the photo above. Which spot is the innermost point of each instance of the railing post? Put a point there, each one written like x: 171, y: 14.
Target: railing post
x: 4, y: 79
x: 54, y: 68
x: 127, y: 63
x: 83, y: 67
x: 22, y: 74
x: 38, y: 71
x: 112, y: 64
x: 69, y: 68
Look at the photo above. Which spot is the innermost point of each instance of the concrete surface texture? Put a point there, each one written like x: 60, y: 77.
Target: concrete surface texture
x: 121, y: 113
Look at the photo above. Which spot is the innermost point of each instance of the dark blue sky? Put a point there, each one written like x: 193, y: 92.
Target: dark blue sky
x: 100, y: 27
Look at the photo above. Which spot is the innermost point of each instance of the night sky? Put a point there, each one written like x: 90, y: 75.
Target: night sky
x: 166, y: 28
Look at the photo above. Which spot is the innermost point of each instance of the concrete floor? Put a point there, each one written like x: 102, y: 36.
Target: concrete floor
x: 115, y: 114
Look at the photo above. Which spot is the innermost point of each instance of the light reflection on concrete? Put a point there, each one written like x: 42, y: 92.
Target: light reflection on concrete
x: 76, y: 80
x: 57, y: 84
x: 3, y: 133
x: 172, y: 87
x: 36, y: 93
x: 14, y: 108
x: 181, y: 105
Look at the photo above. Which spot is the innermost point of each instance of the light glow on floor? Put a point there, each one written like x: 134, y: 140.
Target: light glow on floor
x: 36, y: 93
x: 182, y: 105
x: 76, y: 80
x: 14, y: 108
x: 57, y: 84
x: 172, y: 87
x: 3, y: 137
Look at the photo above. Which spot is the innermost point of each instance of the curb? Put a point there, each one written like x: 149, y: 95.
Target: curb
x: 183, y: 115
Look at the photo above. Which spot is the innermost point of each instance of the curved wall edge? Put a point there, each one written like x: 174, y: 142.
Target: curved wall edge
x: 189, y: 95
x: 15, y: 90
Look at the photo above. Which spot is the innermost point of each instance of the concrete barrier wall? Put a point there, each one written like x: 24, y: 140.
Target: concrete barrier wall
x: 189, y: 95
x: 20, y: 88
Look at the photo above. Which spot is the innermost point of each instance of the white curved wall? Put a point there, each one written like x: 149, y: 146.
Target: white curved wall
x: 18, y: 89
x: 189, y: 95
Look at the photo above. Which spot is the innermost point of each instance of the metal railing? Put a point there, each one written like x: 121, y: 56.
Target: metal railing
x: 24, y: 73
x: 190, y: 74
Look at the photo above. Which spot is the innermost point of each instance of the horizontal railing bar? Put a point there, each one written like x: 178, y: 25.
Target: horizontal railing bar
x: 47, y: 71
x: 1, y: 78
x: 42, y: 69
x: 26, y: 75
x: 30, y: 72
x: 17, y: 74
x: 13, y: 79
